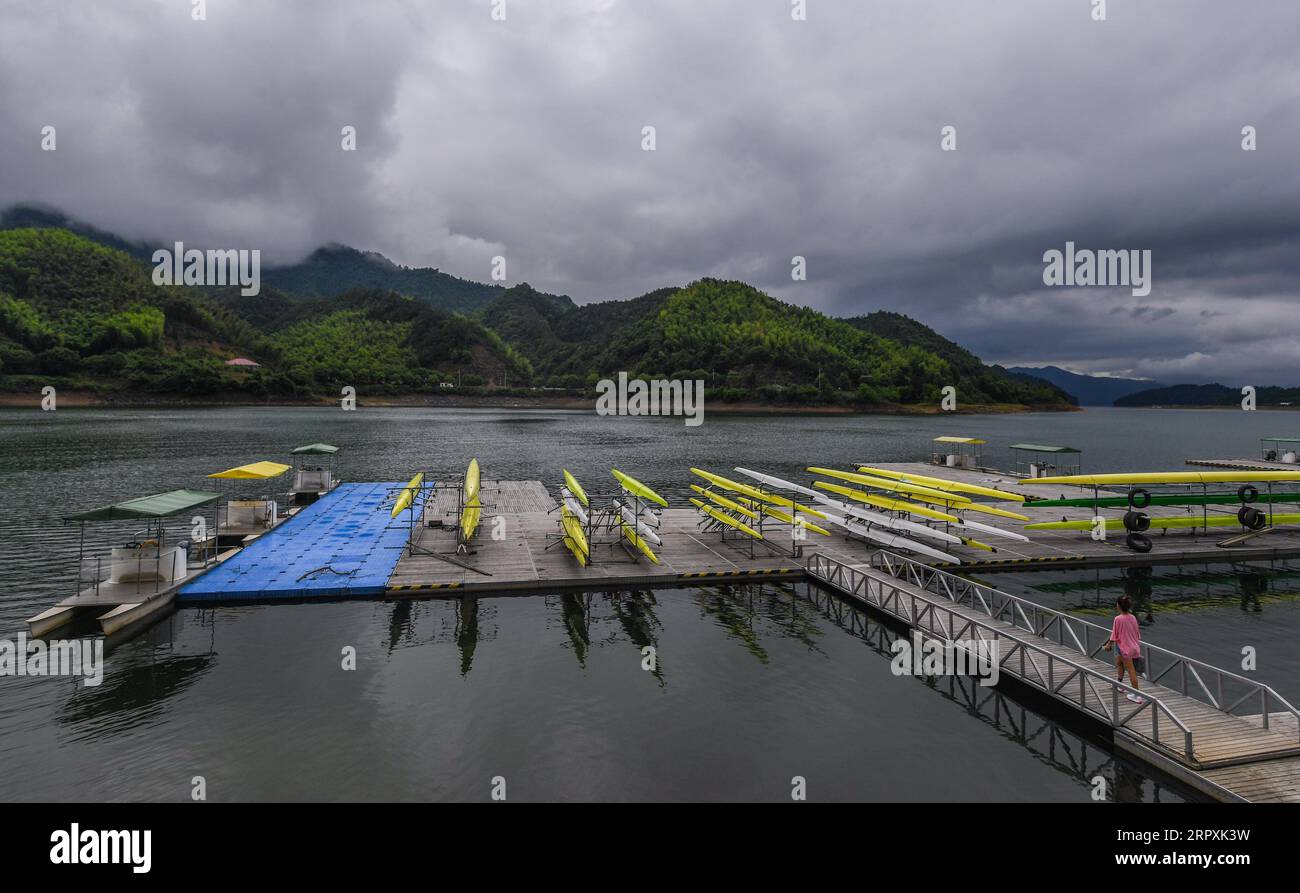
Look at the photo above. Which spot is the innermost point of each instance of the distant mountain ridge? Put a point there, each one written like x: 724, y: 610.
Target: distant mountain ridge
x: 329, y: 270
x: 334, y: 269
x: 1089, y: 390
x: 750, y: 346
x: 37, y: 217
x: 83, y: 313
x: 1209, y: 395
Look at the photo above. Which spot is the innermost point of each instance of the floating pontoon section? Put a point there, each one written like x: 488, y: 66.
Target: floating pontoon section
x: 344, y: 544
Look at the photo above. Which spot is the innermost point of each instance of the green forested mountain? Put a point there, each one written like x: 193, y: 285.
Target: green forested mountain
x: 337, y: 268
x: 79, y: 314
x: 34, y: 217
x: 74, y: 311
x: 328, y: 271
x: 749, y: 346
x: 980, y: 383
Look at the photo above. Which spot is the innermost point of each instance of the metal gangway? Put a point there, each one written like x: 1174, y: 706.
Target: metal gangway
x: 1190, y: 710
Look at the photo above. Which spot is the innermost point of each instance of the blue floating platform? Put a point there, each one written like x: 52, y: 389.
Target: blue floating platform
x: 343, y: 545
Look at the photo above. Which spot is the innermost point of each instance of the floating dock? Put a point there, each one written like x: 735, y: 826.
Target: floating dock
x: 1231, y: 737
x: 344, y: 545
x: 527, y: 557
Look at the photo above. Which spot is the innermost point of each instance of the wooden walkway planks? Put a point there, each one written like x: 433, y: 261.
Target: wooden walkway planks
x: 1272, y: 781
x: 529, y: 556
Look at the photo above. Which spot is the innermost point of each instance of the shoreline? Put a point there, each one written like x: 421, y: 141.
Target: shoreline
x: 92, y: 400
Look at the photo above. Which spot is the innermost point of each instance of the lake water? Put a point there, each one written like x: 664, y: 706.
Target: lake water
x: 755, y: 685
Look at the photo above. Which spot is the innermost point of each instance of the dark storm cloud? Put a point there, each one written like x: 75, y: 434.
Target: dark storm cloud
x: 775, y: 138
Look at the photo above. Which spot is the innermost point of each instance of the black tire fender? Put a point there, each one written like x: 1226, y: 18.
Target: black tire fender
x: 1137, y: 522
x: 1138, y: 543
x: 1251, y: 518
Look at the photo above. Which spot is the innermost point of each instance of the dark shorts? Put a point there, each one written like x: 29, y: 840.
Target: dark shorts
x: 1139, y: 663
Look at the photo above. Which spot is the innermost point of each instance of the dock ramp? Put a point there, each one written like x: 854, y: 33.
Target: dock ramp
x: 1192, y: 717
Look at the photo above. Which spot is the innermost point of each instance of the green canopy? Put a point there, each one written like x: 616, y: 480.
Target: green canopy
x: 162, y: 505
x: 1042, y: 448
x: 316, y: 449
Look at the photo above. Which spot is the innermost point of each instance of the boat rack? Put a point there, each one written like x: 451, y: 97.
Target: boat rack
x: 1135, y: 520
x: 604, y: 525
x: 424, y: 495
x: 462, y: 544
x: 763, y: 524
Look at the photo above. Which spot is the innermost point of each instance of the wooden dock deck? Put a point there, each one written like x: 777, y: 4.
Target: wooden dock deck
x: 1181, y: 730
x: 529, y: 556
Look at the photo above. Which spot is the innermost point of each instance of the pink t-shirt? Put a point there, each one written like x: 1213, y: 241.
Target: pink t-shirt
x: 1125, y: 633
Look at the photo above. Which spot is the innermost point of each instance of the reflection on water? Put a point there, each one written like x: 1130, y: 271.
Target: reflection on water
x: 1248, y: 585
x: 467, y: 631
x: 750, y: 613
x: 748, y: 686
x: 131, y: 697
x: 612, y: 618
x: 1210, y: 611
x: 884, y: 731
x: 1064, y: 743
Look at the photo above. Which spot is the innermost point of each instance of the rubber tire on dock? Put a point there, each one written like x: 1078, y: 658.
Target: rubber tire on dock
x: 1251, y: 518
x: 1137, y: 522
x: 1247, y: 493
x: 1139, y: 498
x: 1138, y: 543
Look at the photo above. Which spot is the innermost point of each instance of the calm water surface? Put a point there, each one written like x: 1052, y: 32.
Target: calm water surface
x: 755, y: 685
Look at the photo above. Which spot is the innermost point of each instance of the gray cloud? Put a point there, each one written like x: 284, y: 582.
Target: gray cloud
x: 775, y: 138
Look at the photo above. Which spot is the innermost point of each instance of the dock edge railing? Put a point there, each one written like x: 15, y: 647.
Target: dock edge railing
x: 1224, y: 690
x: 935, y: 620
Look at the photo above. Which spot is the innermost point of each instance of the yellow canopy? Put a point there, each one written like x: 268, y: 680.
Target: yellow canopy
x: 258, y: 471
x: 950, y: 439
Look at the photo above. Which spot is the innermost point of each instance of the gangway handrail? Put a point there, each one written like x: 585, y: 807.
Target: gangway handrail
x: 1044, y: 621
x: 1052, y: 683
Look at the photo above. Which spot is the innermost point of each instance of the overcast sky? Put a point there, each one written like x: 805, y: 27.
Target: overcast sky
x: 775, y: 138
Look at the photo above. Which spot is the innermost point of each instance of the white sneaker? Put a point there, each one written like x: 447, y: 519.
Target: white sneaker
x: 1136, y: 699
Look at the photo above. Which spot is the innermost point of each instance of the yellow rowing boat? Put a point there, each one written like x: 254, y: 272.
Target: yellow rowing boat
x: 407, y: 495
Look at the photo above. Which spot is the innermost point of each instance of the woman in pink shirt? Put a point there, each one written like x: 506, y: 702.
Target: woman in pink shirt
x: 1124, y: 635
